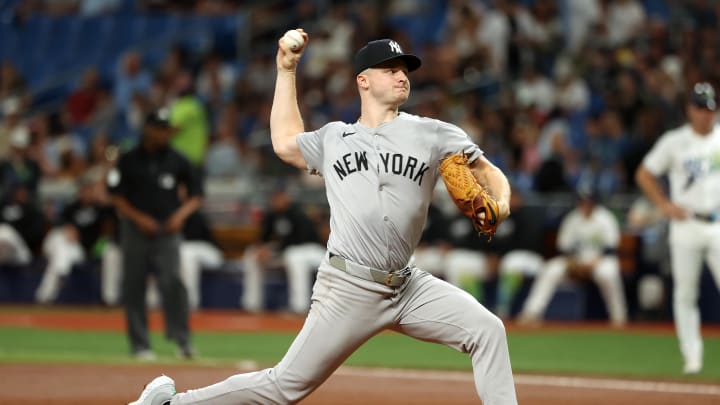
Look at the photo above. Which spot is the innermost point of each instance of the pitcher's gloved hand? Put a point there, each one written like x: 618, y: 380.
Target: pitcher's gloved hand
x: 473, y: 200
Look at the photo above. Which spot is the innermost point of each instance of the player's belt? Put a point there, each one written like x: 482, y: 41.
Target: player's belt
x: 394, y: 278
x: 706, y: 217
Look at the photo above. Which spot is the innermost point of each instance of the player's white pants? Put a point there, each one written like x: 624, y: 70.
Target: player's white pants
x: 194, y: 256
x: 513, y: 267
x: 111, y: 274
x: 691, y: 242
x: 606, y: 274
x: 300, y: 261
x: 62, y: 254
x: 346, y: 311
x: 431, y: 259
x: 463, y: 265
x: 14, y: 249
x: 525, y: 262
x: 457, y: 266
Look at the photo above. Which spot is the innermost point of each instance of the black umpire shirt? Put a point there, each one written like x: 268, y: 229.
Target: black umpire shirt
x: 150, y: 180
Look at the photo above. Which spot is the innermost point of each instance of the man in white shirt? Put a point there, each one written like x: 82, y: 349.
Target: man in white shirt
x: 690, y: 157
x: 587, y: 240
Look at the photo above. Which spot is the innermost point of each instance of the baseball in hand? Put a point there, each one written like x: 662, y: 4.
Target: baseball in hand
x: 293, y: 39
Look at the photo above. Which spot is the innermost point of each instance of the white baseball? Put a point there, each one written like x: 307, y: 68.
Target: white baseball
x: 293, y: 39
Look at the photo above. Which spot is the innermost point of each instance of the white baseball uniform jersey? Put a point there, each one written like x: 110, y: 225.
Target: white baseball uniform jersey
x: 692, y: 163
x: 379, y: 183
x: 589, y: 240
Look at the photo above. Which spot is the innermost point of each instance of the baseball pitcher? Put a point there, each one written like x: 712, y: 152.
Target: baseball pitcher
x: 379, y: 174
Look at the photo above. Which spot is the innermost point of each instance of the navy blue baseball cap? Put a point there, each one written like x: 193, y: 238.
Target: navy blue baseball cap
x: 703, y: 96
x: 380, y: 51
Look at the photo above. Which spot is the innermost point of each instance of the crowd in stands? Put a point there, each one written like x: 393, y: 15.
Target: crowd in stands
x: 559, y: 94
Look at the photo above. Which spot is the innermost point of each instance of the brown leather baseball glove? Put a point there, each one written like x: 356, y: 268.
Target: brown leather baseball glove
x: 577, y: 270
x: 472, y: 199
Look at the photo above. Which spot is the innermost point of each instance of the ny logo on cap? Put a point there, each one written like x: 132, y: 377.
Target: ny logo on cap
x: 395, y: 47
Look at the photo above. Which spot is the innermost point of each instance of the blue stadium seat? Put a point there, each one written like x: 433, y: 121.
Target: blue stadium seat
x: 93, y: 38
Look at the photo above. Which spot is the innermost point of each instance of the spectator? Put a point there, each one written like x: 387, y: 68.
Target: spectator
x: 224, y: 155
x: 583, y: 16
x: 19, y: 168
x: 79, y: 235
x: 625, y: 21
x: 105, y: 115
x: 60, y: 153
x: 22, y: 226
x: 480, y: 34
x: 13, y: 86
x: 11, y: 123
x: 587, y: 240
x: 146, y: 193
x: 188, y: 115
x: 288, y: 239
x: 571, y: 92
x: 551, y: 176
x: 131, y: 78
x: 215, y: 81
x: 535, y: 91
x: 81, y: 103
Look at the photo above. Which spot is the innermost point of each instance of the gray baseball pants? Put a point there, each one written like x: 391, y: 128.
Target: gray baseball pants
x: 160, y: 254
x: 346, y: 311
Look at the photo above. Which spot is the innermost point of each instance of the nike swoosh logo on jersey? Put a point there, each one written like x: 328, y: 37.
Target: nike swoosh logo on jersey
x: 344, y: 134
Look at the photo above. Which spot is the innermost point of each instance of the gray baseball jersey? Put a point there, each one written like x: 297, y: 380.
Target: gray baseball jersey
x: 379, y: 182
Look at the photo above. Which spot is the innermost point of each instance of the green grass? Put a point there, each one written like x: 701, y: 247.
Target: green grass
x: 609, y: 353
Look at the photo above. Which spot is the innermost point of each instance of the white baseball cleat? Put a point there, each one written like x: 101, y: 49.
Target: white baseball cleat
x: 158, y: 392
x: 692, y: 367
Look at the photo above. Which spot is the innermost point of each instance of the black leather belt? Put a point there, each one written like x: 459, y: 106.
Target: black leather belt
x: 394, y: 278
x: 705, y: 217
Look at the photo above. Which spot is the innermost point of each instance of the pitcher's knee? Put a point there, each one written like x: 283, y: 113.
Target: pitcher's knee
x: 292, y: 387
x: 486, y: 331
x: 496, y: 327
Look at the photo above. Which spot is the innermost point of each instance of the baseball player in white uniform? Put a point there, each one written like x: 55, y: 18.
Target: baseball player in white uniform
x: 379, y: 175
x: 690, y: 156
x: 587, y: 240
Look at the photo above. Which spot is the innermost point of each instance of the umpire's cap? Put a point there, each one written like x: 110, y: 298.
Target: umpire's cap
x: 383, y: 50
x: 703, y: 96
x: 159, y: 118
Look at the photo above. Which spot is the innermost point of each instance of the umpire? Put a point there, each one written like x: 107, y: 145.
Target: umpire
x: 154, y: 190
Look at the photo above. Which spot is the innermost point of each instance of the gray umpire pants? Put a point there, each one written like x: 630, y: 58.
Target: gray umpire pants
x: 161, y: 255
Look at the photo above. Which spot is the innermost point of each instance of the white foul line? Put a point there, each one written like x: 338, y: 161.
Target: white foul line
x: 542, y: 380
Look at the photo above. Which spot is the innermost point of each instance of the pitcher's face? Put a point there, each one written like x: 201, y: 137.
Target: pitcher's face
x: 388, y: 82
